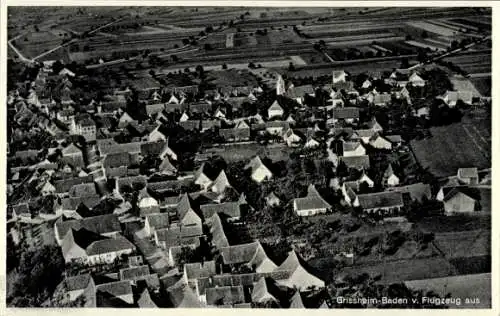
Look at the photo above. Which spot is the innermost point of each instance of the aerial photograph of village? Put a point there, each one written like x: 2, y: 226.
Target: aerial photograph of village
x: 248, y: 157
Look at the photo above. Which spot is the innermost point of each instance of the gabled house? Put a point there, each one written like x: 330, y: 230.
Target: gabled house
x: 280, y: 86
x: 339, y: 76
x: 156, y: 221
x: 221, y: 183
x: 105, y: 225
x: 73, y: 155
x: 275, y: 110
x: 167, y: 152
x: 310, y: 205
x: 265, y: 291
x: 311, y: 143
x: 468, y: 176
x: 156, y: 135
x: 187, y: 216
x: 347, y: 114
x: 272, y: 200
x: 291, y: 138
x: 201, y: 179
x: 363, y: 134
x: 146, y: 203
x: 251, y: 254
x: 459, y: 200
x: 416, y: 81
x: 382, y: 201
x: 380, y: 142
x: 382, y: 99
x: 75, y: 286
x: 356, y: 162
x: 349, y: 192
x: 121, y: 290
x: 124, y: 120
x: 259, y: 171
x: 84, y: 125
x: 390, y: 179
x: 352, y: 149
x: 300, y: 273
x: 89, y: 248
x: 167, y: 168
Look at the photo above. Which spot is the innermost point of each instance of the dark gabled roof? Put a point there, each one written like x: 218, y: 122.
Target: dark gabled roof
x: 200, y: 269
x: 117, y: 160
x: 79, y: 237
x: 101, y: 224
x: 179, y: 236
x: 296, y: 301
x: 467, y: 173
x: 230, y: 209
x: 72, y: 203
x: 145, y: 300
x: 183, y: 297
x: 381, y: 200
x: 227, y: 295
x: 266, y: 289
x: 109, y: 245
x: 242, y: 253
x: 116, y: 289
x: 416, y: 191
x: 346, y: 113
x: 64, y: 185
x: 83, y: 189
x: 234, y: 133
x: 158, y: 220
x: 78, y: 282
x: 311, y: 202
x: 134, y: 273
x: 184, y: 206
x: 356, y: 162
x: 219, y: 238
x: 450, y: 192
x: 152, y: 148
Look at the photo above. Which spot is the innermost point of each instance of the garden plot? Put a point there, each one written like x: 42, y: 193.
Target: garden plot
x: 429, y: 27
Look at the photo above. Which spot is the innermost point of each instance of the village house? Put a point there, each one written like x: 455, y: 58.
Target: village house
x: 416, y: 81
x: 272, y: 200
x: 105, y: 225
x: 86, y: 247
x: 251, y: 254
x: 339, y: 76
x: 76, y: 286
x: 275, y: 110
x: 121, y: 290
x: 84, y: 126
x: 146, y: 203
x: 299, y: 274
x: 382, y: 99
x: 459, y: 200
x: 386, y: 202
x: 356, y: 162
x: 347, y: 114
x: 390, y: 179
x: 259, y: 171
x: 221, y: 183
x: 291, y: 138
x: 468, y: 176
x: 73, y: 155
x: 380, y: 142
x: 352, y: 149
x: 312, y: 204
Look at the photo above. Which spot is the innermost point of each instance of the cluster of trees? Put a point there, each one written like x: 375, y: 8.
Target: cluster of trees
x: 36, y: 276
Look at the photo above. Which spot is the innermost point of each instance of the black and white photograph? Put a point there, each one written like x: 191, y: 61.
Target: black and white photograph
x: 275, y: 157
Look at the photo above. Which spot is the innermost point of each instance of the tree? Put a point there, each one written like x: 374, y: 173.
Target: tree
x: 291, y: 67
x: 424, y: 34
x: 39, y: 273
x: 224, y: 66
x: 186, y: 255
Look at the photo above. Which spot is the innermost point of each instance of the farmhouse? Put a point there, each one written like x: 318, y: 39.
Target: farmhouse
x: 347, y: 114
x: 468, y: 176
x: 459, y: 199
x: 310, y: 205
x: 339, y: 76
x: 300, y: 275
x: 382, y: 201
x: 390, y: 178
x: 414, y: 192
x: 356, y: 162
x: 352, y: 149
x: 259, y: 171
x: 275, y: 110
x: 416, y: 81
x: 380, y: 142
x: 251, y: 254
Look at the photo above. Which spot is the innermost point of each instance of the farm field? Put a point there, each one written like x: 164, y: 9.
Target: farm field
x: 405, y: 270
x: 452, y: 147
x: 463, y: 244
x: 444, y: 224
